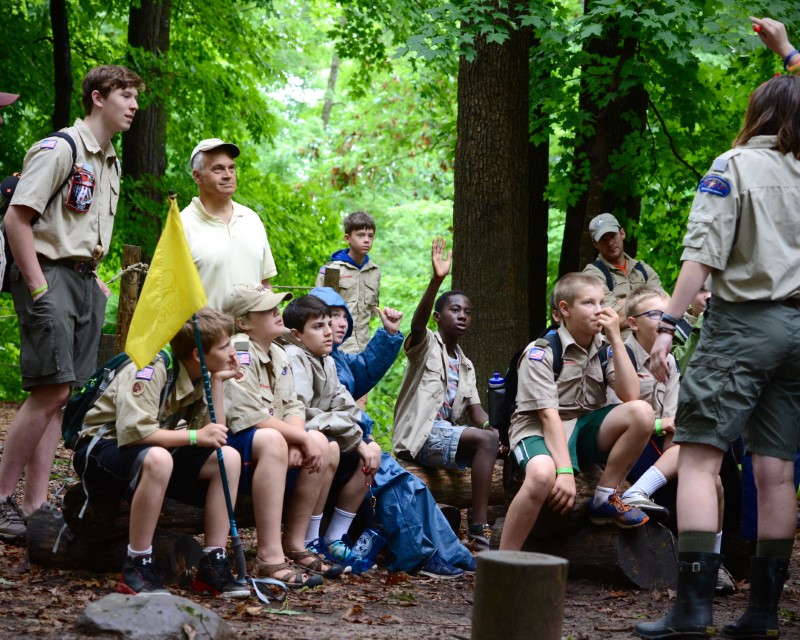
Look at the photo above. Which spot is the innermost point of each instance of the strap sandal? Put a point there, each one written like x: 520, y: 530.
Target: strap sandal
x: 292, y: 576
x: 318, y: 565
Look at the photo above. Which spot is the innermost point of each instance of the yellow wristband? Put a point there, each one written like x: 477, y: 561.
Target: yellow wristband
x: 794, y: 68
x: 41, y: 289
x: 192, y: 437
x: 659, y: 431
x: 562, y: 470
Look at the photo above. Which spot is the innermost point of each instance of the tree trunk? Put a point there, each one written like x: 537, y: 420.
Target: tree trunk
x: 62, y: 64
x: 330, y: 91
x: 144, y: 145
x: 492, y: 206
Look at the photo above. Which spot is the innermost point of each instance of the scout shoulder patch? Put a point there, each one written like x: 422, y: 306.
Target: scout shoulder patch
x: 137, y: 388
x: 145, y: 374
x: 537, y: 351
x: 715, y: 185
x: 48, y: 143
x: 244, y: 357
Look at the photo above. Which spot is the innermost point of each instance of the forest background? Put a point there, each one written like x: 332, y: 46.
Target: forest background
x: 503, y: 126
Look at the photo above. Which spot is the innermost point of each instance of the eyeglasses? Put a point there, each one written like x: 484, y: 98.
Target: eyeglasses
x: 653, y: 314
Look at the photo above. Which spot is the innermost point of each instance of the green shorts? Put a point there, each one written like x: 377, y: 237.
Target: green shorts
x: 582, y: 444
x: 744, y: 378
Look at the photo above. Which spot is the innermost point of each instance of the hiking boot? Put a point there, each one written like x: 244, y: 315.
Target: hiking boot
x: 12, y: 524
x: 139, y: 576
x: 436, y: 567
x: 480, y: 536
x: 725, y: 583
x: 214, y: 576
x: 615, y: 512
x: 639, y: 499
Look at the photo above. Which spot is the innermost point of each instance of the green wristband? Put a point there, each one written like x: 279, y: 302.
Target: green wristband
x: 659, y: 431
x: 486, y: 425
x: 192, y: 437
x: 41, y: 289
x: 563, y: 470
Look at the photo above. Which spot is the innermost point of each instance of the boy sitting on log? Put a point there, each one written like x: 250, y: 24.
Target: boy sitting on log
x: 264, y: 416
x: 130, y: 446
x: 560, y: 421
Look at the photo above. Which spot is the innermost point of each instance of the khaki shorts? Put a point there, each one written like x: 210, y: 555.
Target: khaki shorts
x: 744, y: 378
x: 59, y: 334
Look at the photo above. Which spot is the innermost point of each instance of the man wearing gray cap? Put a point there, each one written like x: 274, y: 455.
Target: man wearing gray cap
x: 227, y: 240
x: 619, y: 273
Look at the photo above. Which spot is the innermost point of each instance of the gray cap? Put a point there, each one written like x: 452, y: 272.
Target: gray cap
x: 244, y: 298
x: 603, y: 224
x: 215, y: 143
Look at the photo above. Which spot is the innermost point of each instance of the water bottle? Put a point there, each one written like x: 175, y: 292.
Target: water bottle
x: 366, y: 550
x: 497, y: 393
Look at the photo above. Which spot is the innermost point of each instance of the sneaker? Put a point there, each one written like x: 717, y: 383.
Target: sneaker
x: 214, y: 576
x: 725, y: 583
x: 12, y: 524
x: 341, y: 552
x: 139, y: 576
x: 468, y: 565
x: 480, y: 536
x: 615, y: 512
x: 638, y: 498
x: 436, y: 567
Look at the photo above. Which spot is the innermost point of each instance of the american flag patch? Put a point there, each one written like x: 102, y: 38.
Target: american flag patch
x: 244, y: 357
x: 48, y: 143
x: 536, y: 353
x: 145, y: 374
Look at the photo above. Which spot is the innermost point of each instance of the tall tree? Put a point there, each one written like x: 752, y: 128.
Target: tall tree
x: 62, y: 64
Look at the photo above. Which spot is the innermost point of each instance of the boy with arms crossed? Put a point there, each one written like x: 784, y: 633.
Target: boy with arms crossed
x: 560, y: 421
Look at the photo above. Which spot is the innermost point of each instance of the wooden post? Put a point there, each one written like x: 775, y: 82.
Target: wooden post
x: 128, y: 295
x: 331, y: 278
x: 519, y: 595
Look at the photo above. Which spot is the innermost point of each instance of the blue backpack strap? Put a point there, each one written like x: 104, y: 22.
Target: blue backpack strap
x: 604, y: 270
x: 640, y: 267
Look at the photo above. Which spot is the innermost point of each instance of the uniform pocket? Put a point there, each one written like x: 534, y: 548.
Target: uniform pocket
x: 706, y: 384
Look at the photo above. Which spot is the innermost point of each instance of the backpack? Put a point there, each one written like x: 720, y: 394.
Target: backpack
x: 609, y: 279
x: 7, y: 188
x: 79, y: 404
x: 551, y: 339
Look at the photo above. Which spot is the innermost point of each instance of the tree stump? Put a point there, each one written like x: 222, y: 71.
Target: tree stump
x: 519, y: 595
x: 455, y: 487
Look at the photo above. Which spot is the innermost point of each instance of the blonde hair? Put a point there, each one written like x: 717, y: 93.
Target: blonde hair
x: 212, y: 324
x: 640, y: 295
x: 568, y: 286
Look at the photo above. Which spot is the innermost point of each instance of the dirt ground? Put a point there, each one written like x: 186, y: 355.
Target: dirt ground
x: 43, y: 603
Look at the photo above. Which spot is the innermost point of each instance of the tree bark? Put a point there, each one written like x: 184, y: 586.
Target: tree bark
x: 492, y: 205
x: 144, y: 145
x: 330, y: 92
x: 62, y: 64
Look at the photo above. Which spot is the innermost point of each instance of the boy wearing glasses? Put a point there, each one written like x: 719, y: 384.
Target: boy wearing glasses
x: 560, y: 421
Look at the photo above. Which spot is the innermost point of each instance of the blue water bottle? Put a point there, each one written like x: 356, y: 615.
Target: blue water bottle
x: 366, y: 549
x: 497, y: 394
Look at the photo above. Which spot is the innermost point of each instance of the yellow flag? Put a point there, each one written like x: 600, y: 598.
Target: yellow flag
x: 172, y: 292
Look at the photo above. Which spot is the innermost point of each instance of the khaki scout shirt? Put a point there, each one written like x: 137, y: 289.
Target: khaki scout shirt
x: 130, y: 405
x: 78, y: 223
x: 663, y: 397
x: 746, y: 226
x: 580, y: 388
x: 423, y: 391
x: 624, y: 281
x: 360, y: 290
x: 264, y: 387
x: 227, y: 254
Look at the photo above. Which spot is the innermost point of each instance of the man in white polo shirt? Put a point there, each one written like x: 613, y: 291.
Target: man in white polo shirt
x: 228, y: 242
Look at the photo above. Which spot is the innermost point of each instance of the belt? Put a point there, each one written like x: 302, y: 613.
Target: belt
x: 789, y: 302
x: 84, y: 268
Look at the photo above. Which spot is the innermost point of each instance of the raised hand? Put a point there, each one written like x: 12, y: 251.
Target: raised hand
x: 441, y: 261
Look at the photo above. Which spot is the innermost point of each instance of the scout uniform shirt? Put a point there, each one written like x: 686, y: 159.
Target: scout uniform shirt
x: 130, y: 405
x: 423, y: 392
x: 77, y: 225
x: 663, y: 397
x: 580, y: 388
x: 263, y: 388
x: 765, y: 266
x: 360, y: 290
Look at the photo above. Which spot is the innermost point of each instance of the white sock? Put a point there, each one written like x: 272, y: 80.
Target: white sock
x: 718, y: 543
x: 312, y: 533
x: 650, y: 482
x: 601, y: 495
x: 133, y: 553
x: 340, y: 523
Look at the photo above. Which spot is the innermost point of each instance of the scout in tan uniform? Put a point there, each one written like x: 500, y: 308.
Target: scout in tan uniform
x: 439, y: 396
x: 743, y: 231
x: 131, y: 426
x: 267, y: 424
x: 608, y: 237
x: 560, y: 421
x: 359, y: 277
x: 59, y: 300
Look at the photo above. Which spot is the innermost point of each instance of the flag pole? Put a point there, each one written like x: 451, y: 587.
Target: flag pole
x: 236, y: 542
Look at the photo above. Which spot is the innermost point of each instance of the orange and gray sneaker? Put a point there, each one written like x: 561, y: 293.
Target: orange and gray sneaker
x: 614, y: 511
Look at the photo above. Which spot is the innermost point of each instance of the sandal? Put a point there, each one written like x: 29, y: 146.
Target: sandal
x: 318, y: 566
x: 296, y: 578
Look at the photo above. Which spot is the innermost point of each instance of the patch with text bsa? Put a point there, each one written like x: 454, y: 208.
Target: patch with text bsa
x: 244, y: 357
x: 536, y: 353
x: 715, y: 185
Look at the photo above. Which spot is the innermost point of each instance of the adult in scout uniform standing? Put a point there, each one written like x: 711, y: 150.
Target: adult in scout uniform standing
x: 744, y: 231
x: 614, y: 266
x: 57, y: 296
x: 228, y: 242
